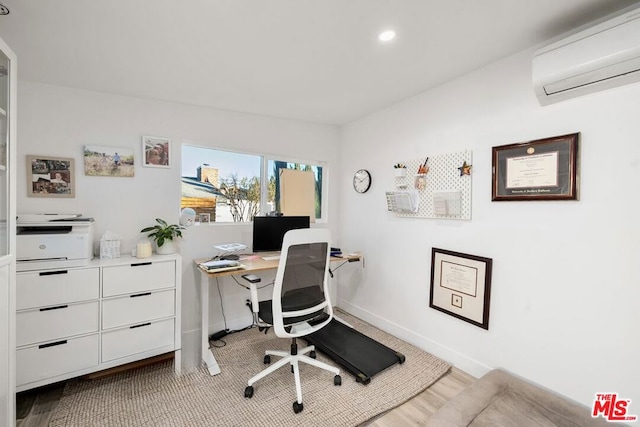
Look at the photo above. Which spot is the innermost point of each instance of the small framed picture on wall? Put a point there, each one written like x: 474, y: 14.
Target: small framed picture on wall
x: 156, y: 152
x: 50, y: 176
x: 108, y: 161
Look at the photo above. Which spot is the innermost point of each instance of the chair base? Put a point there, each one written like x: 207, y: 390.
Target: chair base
x: 293, y: 358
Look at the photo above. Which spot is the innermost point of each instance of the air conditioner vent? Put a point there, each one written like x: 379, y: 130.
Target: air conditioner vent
x: 602, y: 56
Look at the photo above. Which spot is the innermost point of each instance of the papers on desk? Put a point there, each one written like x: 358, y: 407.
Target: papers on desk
x: 221, y: 265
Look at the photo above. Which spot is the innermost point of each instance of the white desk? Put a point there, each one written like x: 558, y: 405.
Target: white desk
x: 253, y: 264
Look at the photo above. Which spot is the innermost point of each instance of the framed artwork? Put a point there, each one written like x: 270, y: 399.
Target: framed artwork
x: 156, y: 152
x: 544, y: 169
x: 108, y: 161
x: 50, y: 176
x: 461, y: 286
x: 204, y: 218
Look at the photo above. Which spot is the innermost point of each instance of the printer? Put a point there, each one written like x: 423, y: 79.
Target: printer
x: 45, y: 241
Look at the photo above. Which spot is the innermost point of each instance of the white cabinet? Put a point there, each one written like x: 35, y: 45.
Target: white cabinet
x: 79, y: 320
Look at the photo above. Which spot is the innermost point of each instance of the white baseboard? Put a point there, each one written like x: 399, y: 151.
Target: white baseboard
x: 457, y: 359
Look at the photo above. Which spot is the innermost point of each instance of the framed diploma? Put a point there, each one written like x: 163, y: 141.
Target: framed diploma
x: 545, y: 169
x: 461, y: 286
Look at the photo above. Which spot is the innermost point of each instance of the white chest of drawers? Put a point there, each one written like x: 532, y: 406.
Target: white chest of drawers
x: 75, y: 321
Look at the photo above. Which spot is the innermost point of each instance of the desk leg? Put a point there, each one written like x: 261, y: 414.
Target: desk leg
x: 207, y: 356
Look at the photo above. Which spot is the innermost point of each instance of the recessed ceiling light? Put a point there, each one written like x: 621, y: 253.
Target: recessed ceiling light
x: 386, y: 36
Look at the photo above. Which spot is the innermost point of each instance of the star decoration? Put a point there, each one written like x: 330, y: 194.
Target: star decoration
x: 465, y: 169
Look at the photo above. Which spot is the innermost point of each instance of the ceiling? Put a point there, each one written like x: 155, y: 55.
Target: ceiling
x: 312, y: 60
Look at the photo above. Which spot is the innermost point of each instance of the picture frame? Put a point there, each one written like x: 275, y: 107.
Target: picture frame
x: 156, y: 152
x: 461, y: 286
x: 204, y: 218
x: 49, y: 176
x: 108, y: 161
x: 543, y: 169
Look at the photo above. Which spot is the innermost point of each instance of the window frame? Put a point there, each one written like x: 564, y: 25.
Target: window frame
x: 264, y: 178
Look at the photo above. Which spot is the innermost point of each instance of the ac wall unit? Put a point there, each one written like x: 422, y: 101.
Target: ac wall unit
x: 602, y: 56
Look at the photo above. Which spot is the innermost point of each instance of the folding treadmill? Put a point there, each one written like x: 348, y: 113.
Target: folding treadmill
x: 364, y: 357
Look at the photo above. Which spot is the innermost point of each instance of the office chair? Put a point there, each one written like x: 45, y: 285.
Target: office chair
x: 300, y: 304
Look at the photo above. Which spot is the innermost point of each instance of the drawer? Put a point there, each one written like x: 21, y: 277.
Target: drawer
x: 136, y: 277
x: 137, y: 339
x: 56, y: 322
x: 54, y: 287
x: 56, y: 358
x: 137, y: 308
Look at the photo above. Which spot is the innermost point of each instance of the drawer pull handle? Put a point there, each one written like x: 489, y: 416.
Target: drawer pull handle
x: 54, y: 308
x: 140, y: 295
x: 51, y: 273
x: 52, y: 344
x: 140, y: 326
x: 141, y: 263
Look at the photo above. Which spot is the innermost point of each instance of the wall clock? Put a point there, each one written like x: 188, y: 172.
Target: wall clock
x: 361, y: 181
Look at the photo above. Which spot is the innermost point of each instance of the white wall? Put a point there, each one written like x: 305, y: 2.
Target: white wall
x: 566, y: 275
x: 58, y: 121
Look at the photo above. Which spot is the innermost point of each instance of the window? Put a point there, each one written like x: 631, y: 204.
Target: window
x: 224, y: 184
x: 275, y: 174
x: 235, y: 187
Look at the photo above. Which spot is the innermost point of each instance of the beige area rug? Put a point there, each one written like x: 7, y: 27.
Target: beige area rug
x: 155, y: 396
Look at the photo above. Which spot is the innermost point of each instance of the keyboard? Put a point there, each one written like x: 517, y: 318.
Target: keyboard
x: 271, y: 257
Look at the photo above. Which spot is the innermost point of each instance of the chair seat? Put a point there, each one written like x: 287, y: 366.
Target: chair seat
x: 294, y: 300
x: 266, y: 314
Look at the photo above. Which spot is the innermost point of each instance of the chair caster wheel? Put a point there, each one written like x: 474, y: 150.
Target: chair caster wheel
x: 267, y: 359
x: 297, y: 407
x: 248, y: 392
x: 337, y: 380
x: 313, y: 354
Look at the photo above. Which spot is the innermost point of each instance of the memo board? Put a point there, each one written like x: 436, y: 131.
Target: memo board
x: 442, y: 182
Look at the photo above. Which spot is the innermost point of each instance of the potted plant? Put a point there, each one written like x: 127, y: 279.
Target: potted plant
x: 163, y: 234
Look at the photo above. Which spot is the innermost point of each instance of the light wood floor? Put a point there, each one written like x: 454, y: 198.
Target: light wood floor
x: 35, y: 407
x: 418, y: 409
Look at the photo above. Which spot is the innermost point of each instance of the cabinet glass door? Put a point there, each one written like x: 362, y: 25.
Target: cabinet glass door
x: 4, y: 153
x: 7, y: 263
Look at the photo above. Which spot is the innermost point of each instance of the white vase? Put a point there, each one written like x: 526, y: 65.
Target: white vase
x: 169, y: 247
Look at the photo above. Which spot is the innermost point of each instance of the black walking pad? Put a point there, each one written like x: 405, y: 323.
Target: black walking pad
x: 364, y: 357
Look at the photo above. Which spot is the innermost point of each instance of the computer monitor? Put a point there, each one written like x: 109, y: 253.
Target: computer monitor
x: 269, y: 231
